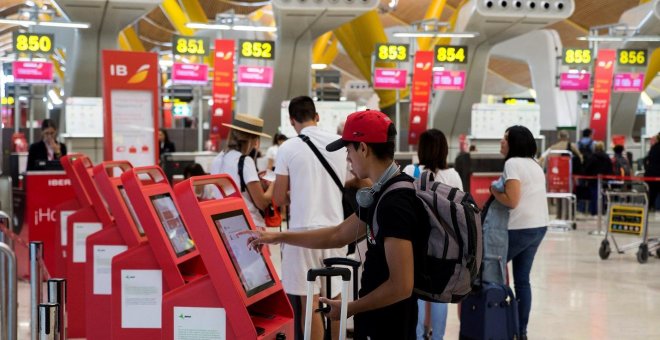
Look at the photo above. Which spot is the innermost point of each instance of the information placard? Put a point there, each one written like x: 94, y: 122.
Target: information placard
x: 84, y: 117
x: 132, y: 122
x: 141, y: 298
x: 197, y: 323
x: 491, y: 120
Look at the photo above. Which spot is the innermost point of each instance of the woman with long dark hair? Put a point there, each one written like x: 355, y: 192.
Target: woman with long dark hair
x: 525, y: 193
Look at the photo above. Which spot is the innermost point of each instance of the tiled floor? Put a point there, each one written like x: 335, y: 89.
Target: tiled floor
x: 576, y: 294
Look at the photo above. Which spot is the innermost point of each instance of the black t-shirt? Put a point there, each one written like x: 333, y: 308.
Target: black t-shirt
x: 400, y: 215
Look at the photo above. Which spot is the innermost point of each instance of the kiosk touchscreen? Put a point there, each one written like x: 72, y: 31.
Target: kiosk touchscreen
x: 250, y: 266
x: 171, y: 222
x: 244, y: 281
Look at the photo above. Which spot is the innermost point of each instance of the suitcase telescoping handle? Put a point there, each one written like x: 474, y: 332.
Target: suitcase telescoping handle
x: 342, y: 261
x: 312, y: 274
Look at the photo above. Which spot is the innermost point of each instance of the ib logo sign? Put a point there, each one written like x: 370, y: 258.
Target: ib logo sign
x: 119, y: 70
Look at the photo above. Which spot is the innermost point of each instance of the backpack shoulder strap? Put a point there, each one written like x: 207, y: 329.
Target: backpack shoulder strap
x: 395, y: 186
x: 323, y: 161
x: 241, y: 163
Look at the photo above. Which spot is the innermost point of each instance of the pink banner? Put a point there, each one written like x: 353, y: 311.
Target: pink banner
x: 449, y: 80
x: 190, y: 74
x: 629, y: 82
x: 574, y: 81
x: 33, y: 72
x: 255, y: 76
x: 390, y: 78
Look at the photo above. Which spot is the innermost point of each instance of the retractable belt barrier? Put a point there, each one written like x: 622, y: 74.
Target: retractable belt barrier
x: 620, y: 178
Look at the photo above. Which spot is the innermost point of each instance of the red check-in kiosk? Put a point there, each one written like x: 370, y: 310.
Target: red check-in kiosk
x: 244, y: 288
x: 94, y: 216
x: 169, y: 260
x: 104, y: 245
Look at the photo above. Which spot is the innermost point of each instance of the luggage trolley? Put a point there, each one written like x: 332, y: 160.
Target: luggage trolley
x: 559, y: 185
x: 627, y: 214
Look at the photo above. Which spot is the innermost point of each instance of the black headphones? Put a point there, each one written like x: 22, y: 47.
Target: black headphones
x: 365, y: 196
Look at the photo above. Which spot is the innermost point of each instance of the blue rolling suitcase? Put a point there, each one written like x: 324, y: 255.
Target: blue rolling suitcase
x: 490, y: 314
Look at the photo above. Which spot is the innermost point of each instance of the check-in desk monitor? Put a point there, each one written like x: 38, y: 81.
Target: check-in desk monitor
x: 131, y: 210
x: 250, y: 265
x: 171, y: 221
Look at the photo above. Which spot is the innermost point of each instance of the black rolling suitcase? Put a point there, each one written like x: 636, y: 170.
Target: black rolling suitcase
x: 490, y: 312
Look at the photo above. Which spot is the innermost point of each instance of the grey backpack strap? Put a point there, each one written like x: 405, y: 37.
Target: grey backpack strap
x: 397, y: 185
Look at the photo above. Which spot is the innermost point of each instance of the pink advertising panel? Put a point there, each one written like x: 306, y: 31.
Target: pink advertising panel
x: 449, y: 80
x: 574, y: 81
x: 190, y: 74
x: 628, y: 82
x: 390, y: 78
x: 33, y: 72
x: 255, y: 76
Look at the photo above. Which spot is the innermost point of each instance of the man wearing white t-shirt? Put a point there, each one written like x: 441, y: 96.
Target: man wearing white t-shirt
x: 313, y: 197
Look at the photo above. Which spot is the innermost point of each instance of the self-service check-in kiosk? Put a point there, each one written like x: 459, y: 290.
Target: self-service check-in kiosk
x: 91, y: 218
x: 104, y: 245
x: 169, y: 260
x: 242, y: 290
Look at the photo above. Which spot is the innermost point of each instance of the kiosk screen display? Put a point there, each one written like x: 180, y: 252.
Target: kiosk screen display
x: 173, y: 224
x: 250, y: 265
x: 122, y: 191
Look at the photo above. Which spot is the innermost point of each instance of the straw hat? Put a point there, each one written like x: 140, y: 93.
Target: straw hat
x: 249, y: 124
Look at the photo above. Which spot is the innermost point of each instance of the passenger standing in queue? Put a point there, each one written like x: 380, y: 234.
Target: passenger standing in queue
x: 243, y: 139
x: 271, y: 153
x: 386, y: 308
x: 314, y: 200
x: 652, y: 169
x: 598, y: 163
x: 432, y: 152
x: 525, y: 193
x: 47, y: 149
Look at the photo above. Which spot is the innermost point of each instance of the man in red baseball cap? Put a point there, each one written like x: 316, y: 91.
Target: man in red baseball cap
x: 396, y: 233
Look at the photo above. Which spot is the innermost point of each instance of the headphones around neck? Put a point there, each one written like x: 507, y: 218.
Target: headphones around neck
x: 365, y: 196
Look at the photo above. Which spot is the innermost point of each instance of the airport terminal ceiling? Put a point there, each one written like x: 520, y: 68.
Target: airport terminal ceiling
x: 505, y: 76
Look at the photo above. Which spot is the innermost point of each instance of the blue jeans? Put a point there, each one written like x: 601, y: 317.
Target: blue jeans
x: 523, y: 244
x: 438, y: 319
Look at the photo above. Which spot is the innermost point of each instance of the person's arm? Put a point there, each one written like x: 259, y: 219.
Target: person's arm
x: 270, y: 164
x: 322, y: 238
x: 399, y: 285
x: 281, y: 190
x: 32, y: 157
x: 260, y: 198
x: 577, y: 152
x: 511, y: 195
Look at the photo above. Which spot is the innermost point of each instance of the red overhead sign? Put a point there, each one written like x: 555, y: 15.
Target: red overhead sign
x: 36, y: 72
x: 223, y: 87
x: 255, y: 76
x: 130, y: 103
x: 600, y: 106
x: 421, y: 92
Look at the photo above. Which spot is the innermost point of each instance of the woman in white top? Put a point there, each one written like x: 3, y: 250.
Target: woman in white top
x: 432, y: 152
x: 524, y: 192
x: 243, y: 138
x: 271, y: 152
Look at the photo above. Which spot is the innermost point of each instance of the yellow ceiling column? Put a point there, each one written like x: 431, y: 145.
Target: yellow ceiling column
x: 177, y: 17
x: 194, y: 11
x: 433, y: 12
x: 325, y: 49
x: 129, y: 40
x: 653, y: 67
x: 452, y: 25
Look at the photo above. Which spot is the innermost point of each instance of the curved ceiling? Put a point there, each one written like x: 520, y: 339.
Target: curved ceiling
x: 155, y: 29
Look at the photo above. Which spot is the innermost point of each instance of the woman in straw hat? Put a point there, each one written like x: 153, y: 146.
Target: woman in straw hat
x: 243, y: 138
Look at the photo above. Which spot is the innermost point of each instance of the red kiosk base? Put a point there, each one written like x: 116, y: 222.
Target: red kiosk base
x: 242, y: 289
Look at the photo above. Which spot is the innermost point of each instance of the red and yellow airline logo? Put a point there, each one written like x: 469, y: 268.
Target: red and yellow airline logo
x: 122, y: 71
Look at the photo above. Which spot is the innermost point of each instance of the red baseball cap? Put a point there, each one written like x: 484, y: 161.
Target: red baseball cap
x: 369, y: 126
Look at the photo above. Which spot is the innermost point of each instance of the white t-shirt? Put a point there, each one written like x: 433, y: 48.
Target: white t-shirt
x: 532, y: 210
x: 226, y: 162
x: 446, y: 176
x: 315, y: 198
x: 271, y: 152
